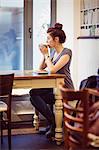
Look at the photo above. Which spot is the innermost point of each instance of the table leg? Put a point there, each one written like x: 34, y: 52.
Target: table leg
x: 58, y: 117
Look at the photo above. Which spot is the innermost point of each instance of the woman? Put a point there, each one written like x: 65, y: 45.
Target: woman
x: 58, y: 62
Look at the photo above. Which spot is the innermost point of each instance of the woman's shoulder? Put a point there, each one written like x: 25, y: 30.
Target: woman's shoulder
x: 67, y: 51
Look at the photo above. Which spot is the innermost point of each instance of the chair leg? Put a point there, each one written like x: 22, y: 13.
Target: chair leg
x: 36, y: 119
x: 9, y: 135
x: 1, y: 121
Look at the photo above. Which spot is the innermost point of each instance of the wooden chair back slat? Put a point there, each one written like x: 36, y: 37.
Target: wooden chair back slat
x: 75, y: 119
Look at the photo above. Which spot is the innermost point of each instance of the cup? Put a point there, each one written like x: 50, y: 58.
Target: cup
x: 42, y: 45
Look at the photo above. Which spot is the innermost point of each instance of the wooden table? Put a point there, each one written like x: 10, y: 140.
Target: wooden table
x: 28, y: 79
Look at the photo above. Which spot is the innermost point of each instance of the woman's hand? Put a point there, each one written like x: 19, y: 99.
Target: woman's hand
x: 43, y: 48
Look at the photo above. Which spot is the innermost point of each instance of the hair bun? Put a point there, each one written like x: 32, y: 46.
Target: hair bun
x: 58, y: 26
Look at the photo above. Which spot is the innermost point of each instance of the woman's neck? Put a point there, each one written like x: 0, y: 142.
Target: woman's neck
x: 59, y: 48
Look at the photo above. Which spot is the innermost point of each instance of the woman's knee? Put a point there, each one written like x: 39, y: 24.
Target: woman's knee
x: 33, y: 99
x: 33, y: 92
x: 33, y: 96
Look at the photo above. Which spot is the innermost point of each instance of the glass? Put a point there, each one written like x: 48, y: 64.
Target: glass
x: 11, y: 34
x: 41, y: 22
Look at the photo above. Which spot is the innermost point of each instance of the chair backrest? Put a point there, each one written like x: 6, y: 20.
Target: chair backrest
x: 90, y: 82
x: 76, y: 126
x: 6, y: 83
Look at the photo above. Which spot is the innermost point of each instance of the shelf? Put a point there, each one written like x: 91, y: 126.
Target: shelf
x: 89, y: 14
x: 88, y: 37
x: 88, y: 9
x: 90, y: 25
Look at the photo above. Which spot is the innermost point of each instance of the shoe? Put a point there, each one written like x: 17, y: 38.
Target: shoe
x: 44, y: 130
x: 48, y: 127
x: 51, y: 133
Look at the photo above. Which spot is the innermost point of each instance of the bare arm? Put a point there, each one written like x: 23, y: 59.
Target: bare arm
x: 42, y: 64
x: 62, y: 62
x: 47, y: 63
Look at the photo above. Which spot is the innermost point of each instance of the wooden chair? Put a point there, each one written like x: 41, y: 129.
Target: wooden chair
x: 75, y: 119
x: 6, y: 83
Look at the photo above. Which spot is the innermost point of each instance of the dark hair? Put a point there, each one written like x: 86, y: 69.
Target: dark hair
x: 57, y: 31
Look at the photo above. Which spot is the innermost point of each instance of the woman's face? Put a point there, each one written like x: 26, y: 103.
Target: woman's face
x: 50, y: 41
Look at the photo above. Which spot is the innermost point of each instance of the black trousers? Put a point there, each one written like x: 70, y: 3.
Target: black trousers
x: 40, y: 98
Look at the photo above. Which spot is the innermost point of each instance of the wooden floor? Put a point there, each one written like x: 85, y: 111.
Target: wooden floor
x: 30, y: 139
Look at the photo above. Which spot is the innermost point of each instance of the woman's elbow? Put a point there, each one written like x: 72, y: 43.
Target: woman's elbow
x: 52, y: 71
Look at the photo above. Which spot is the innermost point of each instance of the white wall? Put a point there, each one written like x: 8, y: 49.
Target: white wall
x: 85, y: 60
x: 65, y: 16
x: 88, y: 58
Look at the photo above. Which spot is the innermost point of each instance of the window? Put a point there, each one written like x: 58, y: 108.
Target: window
x: 11, y: 34
x: 41, y: 22
x: 18, y: 19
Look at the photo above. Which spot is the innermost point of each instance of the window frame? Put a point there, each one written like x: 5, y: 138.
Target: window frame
x: 28, y: 24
